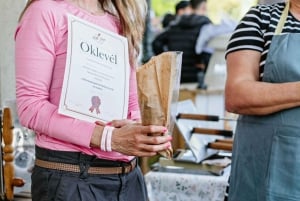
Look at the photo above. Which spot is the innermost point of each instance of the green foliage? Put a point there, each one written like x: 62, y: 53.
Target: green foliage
x: 217, y: 9
x: 161, y: 7
x: 232, y: 8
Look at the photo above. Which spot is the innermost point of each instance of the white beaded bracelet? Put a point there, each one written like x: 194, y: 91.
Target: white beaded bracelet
x: 108, y: 138
x: 103, y: 138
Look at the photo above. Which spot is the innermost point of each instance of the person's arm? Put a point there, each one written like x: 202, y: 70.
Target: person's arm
x: 35, y: 59
x: 205, y: 34
x: 245, y: 94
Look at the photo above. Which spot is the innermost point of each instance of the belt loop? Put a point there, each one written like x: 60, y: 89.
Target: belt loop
x: 81, y: 158
x: 128, y: 166
x: 123, y: 168
x: 136, y: 162
x: 84, y: 166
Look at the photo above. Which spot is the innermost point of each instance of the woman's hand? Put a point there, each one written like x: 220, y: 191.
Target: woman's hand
x: 137, y: 140
x: 131, y: 138
x: 116, y: 123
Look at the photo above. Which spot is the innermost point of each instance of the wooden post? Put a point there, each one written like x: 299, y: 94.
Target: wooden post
x: 9, y: 177
x: 8, y: 153
x: 2, y: 190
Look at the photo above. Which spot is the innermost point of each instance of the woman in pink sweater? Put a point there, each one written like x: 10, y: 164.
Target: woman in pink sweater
x: 70, y: 164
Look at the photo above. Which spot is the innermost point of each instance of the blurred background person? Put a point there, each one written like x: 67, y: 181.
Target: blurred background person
x: 175, y: 39
x: 183, y: 8
x: 167, y: 19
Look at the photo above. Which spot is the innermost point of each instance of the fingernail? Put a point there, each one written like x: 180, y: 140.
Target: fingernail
x: 170, y: 138
x: 165, y: 130
x: 108, y: 123
x: 97, y: 123
x: 169, y: 145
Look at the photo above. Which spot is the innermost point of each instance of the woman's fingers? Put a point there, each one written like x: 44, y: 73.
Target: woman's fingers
x: 100, y: 123
x: 153, y: 129
x: 155, y: 139
x: 120, y: 123
x: 143, y: 145
x: 115, y: 123
x: 156, y: 147
x: 144, y: 149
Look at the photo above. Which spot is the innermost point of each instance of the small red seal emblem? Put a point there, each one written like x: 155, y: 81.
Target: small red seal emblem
x: 96, y: 102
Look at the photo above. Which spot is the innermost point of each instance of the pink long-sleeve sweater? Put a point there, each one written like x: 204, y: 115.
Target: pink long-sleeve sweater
x: 41, y: 46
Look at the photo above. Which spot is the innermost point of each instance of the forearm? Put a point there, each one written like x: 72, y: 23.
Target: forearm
x: 261, y: 98
x: 42, y: 117
x: 96, y: 136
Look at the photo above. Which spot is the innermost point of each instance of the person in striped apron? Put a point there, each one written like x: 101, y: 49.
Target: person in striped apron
x: 263, y: 87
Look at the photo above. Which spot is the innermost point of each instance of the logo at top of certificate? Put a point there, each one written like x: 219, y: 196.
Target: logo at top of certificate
x: 98, y: 38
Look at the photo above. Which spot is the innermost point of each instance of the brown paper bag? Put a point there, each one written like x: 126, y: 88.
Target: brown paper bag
x: 158, y: 87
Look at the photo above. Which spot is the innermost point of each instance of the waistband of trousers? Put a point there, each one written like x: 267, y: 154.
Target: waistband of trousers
x: 77, y: 161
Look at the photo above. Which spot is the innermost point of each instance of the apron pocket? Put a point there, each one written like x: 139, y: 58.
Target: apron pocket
x: 284, y: 168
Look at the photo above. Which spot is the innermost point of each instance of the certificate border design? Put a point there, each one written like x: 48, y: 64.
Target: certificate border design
x: 73, y: 20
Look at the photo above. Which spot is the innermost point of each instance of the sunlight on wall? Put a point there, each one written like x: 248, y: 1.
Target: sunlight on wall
x: 217, y: 9
x: 228, y: 8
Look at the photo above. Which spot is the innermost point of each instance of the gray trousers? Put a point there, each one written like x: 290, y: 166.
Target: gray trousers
x: 56, y: 185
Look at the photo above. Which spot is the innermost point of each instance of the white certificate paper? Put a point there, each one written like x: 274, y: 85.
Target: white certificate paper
x: 96, y: 80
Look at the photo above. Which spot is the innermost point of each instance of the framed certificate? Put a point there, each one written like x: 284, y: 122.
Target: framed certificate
x: 96, y: 79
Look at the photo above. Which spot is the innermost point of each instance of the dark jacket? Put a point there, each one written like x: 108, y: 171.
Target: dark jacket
x: 182, y: 36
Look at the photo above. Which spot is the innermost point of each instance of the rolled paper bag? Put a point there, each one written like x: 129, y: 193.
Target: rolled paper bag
x: 158, y: 87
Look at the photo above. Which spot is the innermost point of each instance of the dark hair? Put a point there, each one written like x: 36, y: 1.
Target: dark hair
x: 196, y: 3
x: 167, y: 19
x: 181, y: 5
